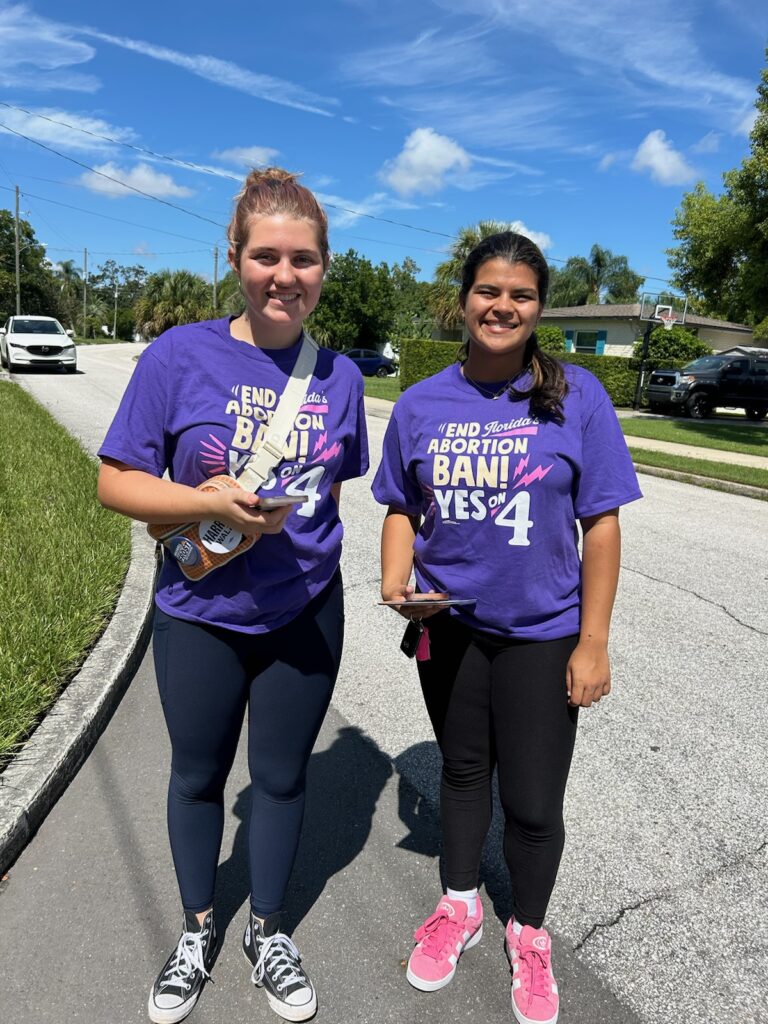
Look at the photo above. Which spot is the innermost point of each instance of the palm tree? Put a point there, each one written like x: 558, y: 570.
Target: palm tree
x: 171, y: 297
x: 230, y: 299
x: 70, y: 284
x: 601, y: 277
x: 444, y: 293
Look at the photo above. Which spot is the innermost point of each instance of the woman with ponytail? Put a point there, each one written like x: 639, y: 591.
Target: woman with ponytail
x: 487, y: 468
x: 262, y: 633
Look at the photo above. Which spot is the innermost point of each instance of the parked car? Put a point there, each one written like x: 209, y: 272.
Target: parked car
x: 732, y: 380
x: 36, y: 341
x: 370, y: 363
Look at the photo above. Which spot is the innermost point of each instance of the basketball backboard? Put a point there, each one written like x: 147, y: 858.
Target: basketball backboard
x: 661, y: 306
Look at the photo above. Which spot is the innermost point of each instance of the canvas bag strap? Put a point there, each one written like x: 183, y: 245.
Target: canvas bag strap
x: 258, y: 467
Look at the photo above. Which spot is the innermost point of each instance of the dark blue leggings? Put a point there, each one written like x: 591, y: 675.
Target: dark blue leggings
x: 207, y: 676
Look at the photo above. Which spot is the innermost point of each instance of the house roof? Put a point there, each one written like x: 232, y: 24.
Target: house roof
x: 631, y: 311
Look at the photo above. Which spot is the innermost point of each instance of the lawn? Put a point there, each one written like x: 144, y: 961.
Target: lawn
x: 747, y: 438
x: 701, y: 467
x: 64, y: 561
x: 387, y: 388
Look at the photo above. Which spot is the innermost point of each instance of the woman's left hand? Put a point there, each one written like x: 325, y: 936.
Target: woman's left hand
x: 588, y: 675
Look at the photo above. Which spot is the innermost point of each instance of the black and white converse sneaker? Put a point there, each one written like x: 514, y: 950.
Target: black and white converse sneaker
x: 181, y: 981
x: 277, y: 967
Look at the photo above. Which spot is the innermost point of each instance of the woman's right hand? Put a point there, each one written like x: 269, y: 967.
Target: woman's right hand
x: 240, y: 510
x: 405, y: 592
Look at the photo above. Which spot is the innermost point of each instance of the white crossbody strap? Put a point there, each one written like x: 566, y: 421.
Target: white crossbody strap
x: 258, y: 467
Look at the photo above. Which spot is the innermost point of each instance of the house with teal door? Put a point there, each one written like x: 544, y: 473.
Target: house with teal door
x: 614, y: 329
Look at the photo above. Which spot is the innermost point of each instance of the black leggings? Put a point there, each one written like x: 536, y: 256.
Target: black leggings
x: 207, y: 676
x: 501, y: 703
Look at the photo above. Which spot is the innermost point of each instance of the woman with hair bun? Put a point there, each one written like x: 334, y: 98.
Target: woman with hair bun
x: 262, y: 632
x: 487, y: 468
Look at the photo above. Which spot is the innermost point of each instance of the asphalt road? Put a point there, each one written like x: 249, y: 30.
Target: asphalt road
x: 659, y: 912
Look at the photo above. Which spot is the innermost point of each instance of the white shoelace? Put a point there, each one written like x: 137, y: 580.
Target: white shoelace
x: 189, y: 958
x: 280, y: 957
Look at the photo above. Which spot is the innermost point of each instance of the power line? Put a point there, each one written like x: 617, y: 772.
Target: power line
x: 188, y: 164
x: 107, y: 252
x: 118, y: 220
x: 108, y: 177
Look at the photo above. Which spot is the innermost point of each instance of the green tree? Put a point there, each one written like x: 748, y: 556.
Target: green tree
x: 671, y: 347
x: 412, y: 315
x: 722, y: 258
x: 356, y: 307
x: 40, y: 295
x: 600, y: 277
x: 229, y: 298
x: 169, y: 298
x: 444, y: 293
x: 114, y: 285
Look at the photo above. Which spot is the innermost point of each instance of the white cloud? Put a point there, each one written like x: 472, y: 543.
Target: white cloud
x: 747, y: 122
x: 423, y: 163
x: 226, y: 73
x: 429, y: 59
x: 248, y: 156
x: 59, y: 136
x: 604, y: 40
x: 35, y: 53
x: 608, y: 161
x: 142, y: 177
x: 541, y: 238
x: 709, y: 143
x: 665, y: 164
x: 344, y: 212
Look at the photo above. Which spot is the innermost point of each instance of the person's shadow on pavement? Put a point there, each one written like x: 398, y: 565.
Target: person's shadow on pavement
x: 419, y: 769
x: 344, y: 783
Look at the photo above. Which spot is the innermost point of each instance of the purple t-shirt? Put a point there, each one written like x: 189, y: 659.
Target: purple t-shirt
x: 500, y: 492
x: 194, y: 406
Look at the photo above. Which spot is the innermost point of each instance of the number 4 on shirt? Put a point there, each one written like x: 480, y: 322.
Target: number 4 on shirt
x: 514, y: 515
x: 307, y: 483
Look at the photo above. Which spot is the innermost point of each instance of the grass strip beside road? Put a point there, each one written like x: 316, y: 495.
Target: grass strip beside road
x: 387, y: 388
x: 64, y: 559
x: 746, y: 438
x: 701, y: 467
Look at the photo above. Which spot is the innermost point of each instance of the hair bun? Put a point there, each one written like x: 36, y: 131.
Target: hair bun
x: 260, y: 175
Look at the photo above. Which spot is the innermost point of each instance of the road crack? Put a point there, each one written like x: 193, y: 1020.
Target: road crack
x: 694, y: 593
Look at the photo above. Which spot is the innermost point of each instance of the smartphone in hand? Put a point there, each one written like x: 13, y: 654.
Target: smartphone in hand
x: 269, y: 502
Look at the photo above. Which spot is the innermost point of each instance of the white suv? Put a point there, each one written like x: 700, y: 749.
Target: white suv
x: 36, y: 341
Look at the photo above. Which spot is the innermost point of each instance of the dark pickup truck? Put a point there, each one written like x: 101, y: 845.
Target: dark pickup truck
x: 734, y: 381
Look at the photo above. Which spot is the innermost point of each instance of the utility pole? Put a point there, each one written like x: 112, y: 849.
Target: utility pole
x: 85, y: 287
x: 18, y: 271
x: 114, y: 322
x: 215, y: 278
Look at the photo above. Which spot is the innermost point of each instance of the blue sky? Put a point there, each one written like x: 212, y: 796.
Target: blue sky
x: 582, y: 125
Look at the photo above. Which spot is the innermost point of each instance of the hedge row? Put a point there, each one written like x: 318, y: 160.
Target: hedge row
x: 420, y: 358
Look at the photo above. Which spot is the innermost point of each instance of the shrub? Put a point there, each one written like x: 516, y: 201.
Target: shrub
x: 760, y: 333
x: 551, y: 339
x: 420, y: 358
x: 674, y: 347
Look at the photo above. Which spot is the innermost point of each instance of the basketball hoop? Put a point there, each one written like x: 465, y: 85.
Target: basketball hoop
x: 668, y: 320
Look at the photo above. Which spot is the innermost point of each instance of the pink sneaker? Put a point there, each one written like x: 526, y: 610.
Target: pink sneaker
x: 440, y: 942
x: 534, y: 989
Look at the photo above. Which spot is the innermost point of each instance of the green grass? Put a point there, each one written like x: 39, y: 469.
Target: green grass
x: 100, y: 341
x: 747, y: 438
x: 63, y: 561
x: 702, y: 467
x: 387, y: 388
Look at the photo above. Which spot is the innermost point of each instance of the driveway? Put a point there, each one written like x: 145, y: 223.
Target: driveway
x: 659, y: 913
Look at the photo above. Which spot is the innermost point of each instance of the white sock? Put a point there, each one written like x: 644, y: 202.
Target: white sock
x: 516, y: 926
x: 469, y: 897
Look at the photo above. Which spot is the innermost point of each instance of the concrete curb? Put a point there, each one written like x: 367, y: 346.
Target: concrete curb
x: 48, y: 762
x: 710, y: 482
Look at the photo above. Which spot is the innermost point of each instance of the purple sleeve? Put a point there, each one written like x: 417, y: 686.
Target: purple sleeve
x: 395, y: 482
x: 607, y: 477
x: 137, y: 433
x: 356, y: 450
